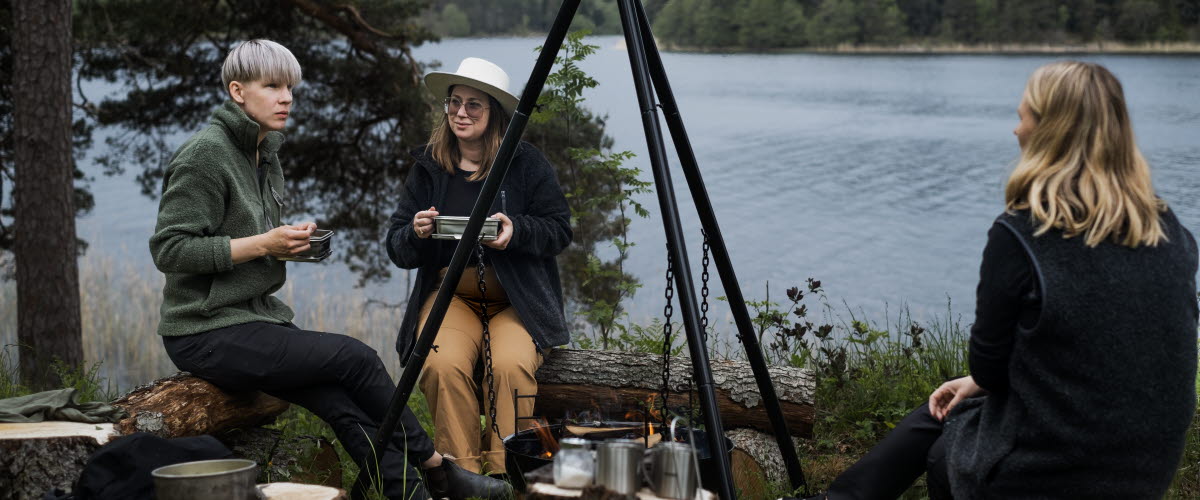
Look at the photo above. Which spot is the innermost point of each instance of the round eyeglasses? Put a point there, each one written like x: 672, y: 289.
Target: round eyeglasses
x: 474, y: 108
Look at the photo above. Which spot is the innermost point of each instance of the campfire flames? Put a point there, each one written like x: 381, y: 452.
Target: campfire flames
x: 646, y: 416
x: 542, y: 429
x: 652, y: 408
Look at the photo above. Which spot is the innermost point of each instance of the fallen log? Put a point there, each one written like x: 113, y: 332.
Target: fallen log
x: 182, y: 405
x: 572, y: 380
x: 36, y: 457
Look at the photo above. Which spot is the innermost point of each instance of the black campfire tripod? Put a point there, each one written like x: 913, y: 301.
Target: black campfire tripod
x: 649, y: 78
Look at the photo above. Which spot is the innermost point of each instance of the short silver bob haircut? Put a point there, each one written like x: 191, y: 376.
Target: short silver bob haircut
x: 260, y: 60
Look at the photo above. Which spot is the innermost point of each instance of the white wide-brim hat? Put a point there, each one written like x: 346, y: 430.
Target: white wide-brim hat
x: 478, y: 73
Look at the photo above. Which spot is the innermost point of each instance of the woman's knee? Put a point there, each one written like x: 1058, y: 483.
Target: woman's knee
x: 515, y: 368
x: 447, y: 367
x: 361, y: 356
x: 355, y: 349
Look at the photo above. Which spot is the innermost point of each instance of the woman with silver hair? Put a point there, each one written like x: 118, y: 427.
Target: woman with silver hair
x: 220, y: 239
x: 1083, y: 351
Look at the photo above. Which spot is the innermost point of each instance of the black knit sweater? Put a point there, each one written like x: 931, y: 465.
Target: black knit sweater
x: 1101, y: 389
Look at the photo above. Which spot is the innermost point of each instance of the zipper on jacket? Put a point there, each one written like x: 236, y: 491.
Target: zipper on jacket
x: 503, y: 202
x: 262, y: 186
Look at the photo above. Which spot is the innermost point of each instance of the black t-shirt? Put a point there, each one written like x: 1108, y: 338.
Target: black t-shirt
x: 459, y: 200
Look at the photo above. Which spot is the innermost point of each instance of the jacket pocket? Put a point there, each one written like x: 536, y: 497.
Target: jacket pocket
x: 226, y: 289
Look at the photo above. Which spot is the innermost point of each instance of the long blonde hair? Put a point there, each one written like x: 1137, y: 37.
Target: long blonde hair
x: 1080, y: 169
x: 443, y: 144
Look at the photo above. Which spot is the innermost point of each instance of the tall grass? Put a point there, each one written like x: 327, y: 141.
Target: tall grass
x: 119, y: 307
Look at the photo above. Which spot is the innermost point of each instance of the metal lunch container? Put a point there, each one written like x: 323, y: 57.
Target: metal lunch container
x: 320, y: 246
x: 319, y: 243
x: 451, y: 227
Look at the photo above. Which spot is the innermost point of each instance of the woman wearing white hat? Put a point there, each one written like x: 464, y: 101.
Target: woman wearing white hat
x: 524, y: 305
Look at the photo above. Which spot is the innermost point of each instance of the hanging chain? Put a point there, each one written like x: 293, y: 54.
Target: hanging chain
x: 703, y: 311
x: 489, y: 376
x: 704, y: 289
x: 668, y: 310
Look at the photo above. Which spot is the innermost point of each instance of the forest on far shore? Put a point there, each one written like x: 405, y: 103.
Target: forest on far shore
x: 780, y: 24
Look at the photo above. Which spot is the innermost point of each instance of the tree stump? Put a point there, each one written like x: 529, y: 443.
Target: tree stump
x: 294, y: 491
x: 182, y: 405
x: 756, y: 461
x: 547, y: 491
x: 37, y: 457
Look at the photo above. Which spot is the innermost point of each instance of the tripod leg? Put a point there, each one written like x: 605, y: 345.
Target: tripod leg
x: 708, y: 219
x: 487, y: 195
x: 673, y: 227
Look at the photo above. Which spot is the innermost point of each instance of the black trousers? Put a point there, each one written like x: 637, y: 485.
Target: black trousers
x: 338, y: 378
x: 913, y: 448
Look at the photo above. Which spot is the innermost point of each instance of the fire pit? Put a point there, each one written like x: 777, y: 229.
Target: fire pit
x: 533, y: 448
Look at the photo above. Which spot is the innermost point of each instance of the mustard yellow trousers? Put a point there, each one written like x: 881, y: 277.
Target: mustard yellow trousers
x: 448, y: 382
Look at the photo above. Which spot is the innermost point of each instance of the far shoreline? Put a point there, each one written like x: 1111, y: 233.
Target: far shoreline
x: 1092, y: 48
x: 914, y: 48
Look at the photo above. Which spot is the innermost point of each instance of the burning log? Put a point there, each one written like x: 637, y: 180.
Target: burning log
x: 572, y: 380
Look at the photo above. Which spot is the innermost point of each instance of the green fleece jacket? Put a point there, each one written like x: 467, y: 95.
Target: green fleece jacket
x: 211, y: 194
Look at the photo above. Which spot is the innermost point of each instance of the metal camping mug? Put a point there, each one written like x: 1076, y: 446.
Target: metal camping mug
x: 618, y: 465
x: 672, y: 471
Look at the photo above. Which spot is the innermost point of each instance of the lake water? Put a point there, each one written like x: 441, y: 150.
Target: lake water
x: 878, y: 175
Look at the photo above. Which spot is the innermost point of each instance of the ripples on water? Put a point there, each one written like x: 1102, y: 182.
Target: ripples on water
x: 879, y: 175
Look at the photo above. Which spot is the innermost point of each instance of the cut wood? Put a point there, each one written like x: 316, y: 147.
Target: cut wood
x: 296, y: 491
x: 182, y: 405
x: 547, y: 491
x: 572, y: 380
x: 756, y: 461
x: 39, y: 456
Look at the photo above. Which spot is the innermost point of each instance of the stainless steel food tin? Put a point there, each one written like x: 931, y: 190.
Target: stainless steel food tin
x: 230, y: 478
x: 320, y: 246
x: 451, y: 227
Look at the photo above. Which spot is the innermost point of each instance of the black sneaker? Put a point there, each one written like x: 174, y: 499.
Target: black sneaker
x: 453, y: 482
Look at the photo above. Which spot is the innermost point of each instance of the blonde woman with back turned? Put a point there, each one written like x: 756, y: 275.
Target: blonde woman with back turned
x: 1083, y: 351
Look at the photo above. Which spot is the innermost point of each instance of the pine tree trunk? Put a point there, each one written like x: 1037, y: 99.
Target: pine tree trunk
x: 48, y: 321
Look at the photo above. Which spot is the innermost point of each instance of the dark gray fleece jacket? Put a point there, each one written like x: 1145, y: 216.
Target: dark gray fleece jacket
x: 527, y: 268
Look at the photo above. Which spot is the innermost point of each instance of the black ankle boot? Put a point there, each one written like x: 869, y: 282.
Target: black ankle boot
x: 453, y: 482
